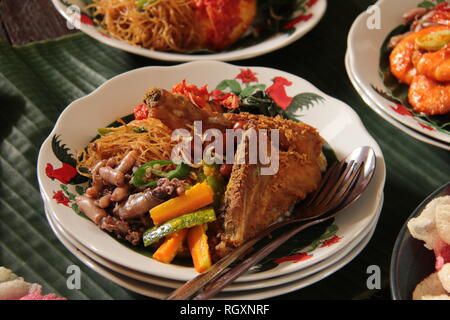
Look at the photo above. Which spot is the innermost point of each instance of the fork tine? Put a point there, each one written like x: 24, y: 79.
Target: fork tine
x: 347, y: 186
x: 332, y: 188
x: 344, y: 183
x: 216, y: 285
x: 331, y: 176
x: 358, y: 168
x: 323, y: 183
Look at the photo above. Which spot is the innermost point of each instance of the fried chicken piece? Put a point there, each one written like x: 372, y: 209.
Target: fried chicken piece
x: 252, y: 201
x: 294, y: 136
x: 177, y: 112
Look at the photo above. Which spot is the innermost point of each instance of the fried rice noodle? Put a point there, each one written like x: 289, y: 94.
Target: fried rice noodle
x: 154, y: 144
x: 164, y: 25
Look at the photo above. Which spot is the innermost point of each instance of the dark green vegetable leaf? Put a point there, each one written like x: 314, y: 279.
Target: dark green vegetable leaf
x: 426, y: 4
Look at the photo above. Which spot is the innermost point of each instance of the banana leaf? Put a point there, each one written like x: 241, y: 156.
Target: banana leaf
x: 37, y: 81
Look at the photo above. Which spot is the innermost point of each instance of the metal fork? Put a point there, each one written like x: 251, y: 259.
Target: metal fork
x: 341, y: 186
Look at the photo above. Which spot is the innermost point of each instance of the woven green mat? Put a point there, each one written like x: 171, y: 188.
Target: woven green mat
x: 39, y: 80
x: 36, y: 83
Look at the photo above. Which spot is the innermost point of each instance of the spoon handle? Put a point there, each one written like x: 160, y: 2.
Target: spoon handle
x: 226, y: 278
x: 191, y: 287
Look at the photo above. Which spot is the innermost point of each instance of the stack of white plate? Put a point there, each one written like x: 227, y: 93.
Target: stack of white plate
x: 264, y: 285
x: 338, y: 124
x: 365, y: 40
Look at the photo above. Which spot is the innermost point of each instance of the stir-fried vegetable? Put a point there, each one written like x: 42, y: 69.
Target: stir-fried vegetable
x: 185, y: 221
x: 171, y: 246
x: 198, y: 245
x: 209, y: 191
x: 150, y: 168
x: 199, y: 196
x: 215, y: 180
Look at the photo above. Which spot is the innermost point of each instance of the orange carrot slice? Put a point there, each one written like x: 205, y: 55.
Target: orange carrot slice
x: 197, y: 197
x: 198, y: 245
x: 171, y: 246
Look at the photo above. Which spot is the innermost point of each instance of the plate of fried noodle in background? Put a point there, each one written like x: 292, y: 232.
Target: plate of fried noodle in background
x: 180, y: 30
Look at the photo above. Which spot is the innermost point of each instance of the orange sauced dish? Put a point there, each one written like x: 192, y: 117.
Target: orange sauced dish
x: 421, y: 59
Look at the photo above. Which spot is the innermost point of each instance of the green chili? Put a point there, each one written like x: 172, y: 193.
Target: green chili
x: 180, y: 172
x: 215, y: 181
x: 105, y: 131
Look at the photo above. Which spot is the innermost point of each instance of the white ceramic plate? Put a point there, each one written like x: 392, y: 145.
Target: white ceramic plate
x: 274, y: 43
x: 159, y: 292
x: 387, y: 117
x: 78, y: 123
x: 364, y: 46
x: 233, y: 287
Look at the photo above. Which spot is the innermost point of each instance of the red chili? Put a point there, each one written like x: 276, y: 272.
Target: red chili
x: 141, y: 112
x: 442, y: 6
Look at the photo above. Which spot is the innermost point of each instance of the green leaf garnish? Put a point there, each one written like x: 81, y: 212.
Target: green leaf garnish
x: 140, y: 130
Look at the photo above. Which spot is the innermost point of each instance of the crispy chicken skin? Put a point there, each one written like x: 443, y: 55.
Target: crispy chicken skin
x: 252, y: 201
x: 294, y: 136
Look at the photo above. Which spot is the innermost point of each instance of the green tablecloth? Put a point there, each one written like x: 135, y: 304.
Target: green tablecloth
x: 38, y: 81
